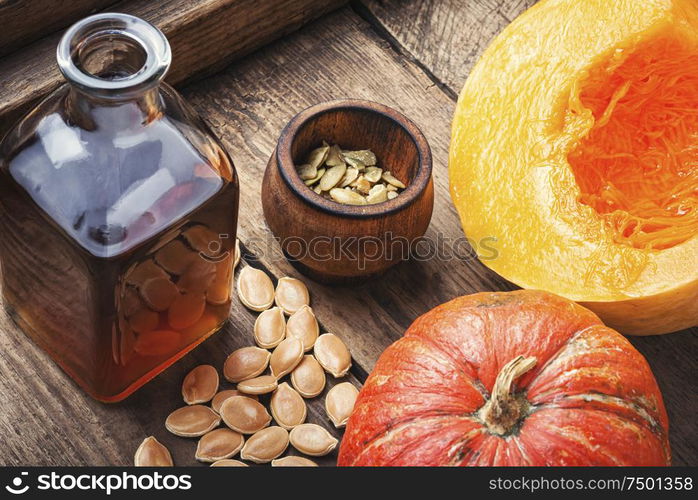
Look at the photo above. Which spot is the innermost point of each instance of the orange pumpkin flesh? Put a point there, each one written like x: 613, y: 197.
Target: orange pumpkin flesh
x: 575, y: 146
x: 518, y: 378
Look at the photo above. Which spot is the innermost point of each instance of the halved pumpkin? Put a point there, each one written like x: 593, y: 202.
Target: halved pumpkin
x: 575, y: 145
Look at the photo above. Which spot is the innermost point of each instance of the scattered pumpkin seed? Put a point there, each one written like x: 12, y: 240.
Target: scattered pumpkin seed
x: 392, y: 180
x: 286, y: 357
x: 265, y: 445
x: 303, y: 325
x: 244, y: 415
x: 332, y: 355
x: 192, y: 421
x: 200, y: 385
x: 229, y: 462
x: 152, y: 453
x: 218, y: 444
x: 259, y: 385
x: 255, y: 289
x: 291, y: 294
x: 222, y: 396
x: 245, y: 363
x: 293, y: 461
x: 288, y: 407
x: 313, y: 440
x: 270, y: 328
x: 339, y: 403
x: 308, y: 378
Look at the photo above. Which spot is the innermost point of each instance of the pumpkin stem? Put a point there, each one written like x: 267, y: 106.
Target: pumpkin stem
x: 504, y: 409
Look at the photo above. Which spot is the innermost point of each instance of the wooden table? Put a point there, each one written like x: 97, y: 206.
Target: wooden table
x: 413, y: 55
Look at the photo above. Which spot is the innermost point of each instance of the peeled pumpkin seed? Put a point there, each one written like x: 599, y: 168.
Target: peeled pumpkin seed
x: 293, y: 461
x: 334, y: 157
x: 339, y: 403
x: 320, y: 173
x: 308, y: 378
x: 347, y: 196
x: 218, y: 444
x: 318, y: 156
x: 222, y: 396
x: 377, y: 194
x: 350, y: 176
x: 362, y: 185
x: 245, y: 363
x: 307, y: 172
x: 332, y: 355
x: 270, y: 328
x: 192, y: 421
x: 152, y: 453
x: 313, y: 440
x: 332, y: 177
x: 265, y: 445
x: 391, y: 195
x: 200, y: 385
x: 358, y: 165
x: 291, y: 294
x: 286, y: 357
x: 392, y: 180
x: 303, y: 325
x: 229, y: 462
x: 365, y: 156
x: 287, y: 407
x: 373, y: 174
x: 259, y: 385
x: 244, y: 415
x: 255, y: 289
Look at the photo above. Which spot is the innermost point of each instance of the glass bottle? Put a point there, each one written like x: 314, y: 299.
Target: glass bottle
x: 118, y: 213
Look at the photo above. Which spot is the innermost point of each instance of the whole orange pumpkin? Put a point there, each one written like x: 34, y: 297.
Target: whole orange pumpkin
x: 517, y: 378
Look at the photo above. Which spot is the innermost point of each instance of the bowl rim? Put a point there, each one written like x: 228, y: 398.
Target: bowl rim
x: 287, y: 169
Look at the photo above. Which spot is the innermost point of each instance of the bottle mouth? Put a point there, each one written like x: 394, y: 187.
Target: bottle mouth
x: 113, y: 55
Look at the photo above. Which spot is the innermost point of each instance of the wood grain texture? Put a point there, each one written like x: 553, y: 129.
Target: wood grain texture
x: 24, y: 21
x: 205, y: 35
x: 446, y: 37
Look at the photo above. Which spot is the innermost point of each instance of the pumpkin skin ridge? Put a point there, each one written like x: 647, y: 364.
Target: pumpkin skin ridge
x: 513, y: 448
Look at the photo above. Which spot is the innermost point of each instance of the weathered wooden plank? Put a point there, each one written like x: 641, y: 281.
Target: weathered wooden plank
x: 24, y: 21
x: 447, y: 37
x: 48, y: 420
x: 205, y: 35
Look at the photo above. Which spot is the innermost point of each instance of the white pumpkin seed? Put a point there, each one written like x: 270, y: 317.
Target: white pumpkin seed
x: 332, y: 177
x: 288, y: 407
x: 303, y: 325
x: 377, y: 194
x: 255, y: 289
x: 244, y: 415
x: 365, y: 156
x: 245, y: 363
x: 373, y: 174
x: 334, y: 157
x: 286, y: 357
x: 392, y: 180
x: 339, y: 403
x: 200, y: 385
x: 218, y: 444
x: 270, y: 328
x: 350, y: 176
x: 318, y: 156
x: 307, y: 172
x: 291, y: 294
x: 293, y: 461
x: 320, y: 173
x: 308, y: 378
x: 313, y: 440
x: 192, y: 421
x: 259, y: 385
x: 152, y: 453
x: 222, y: 396
x: 229, y: 463
x: 265, y: 445
x: 347, y: 196
x: 332, y: 354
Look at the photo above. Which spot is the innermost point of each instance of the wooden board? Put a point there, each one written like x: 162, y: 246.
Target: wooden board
x: 247, y: 104
x: 205, y: 35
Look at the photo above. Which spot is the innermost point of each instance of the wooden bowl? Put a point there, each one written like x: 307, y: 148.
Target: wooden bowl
x: 335, y: 243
